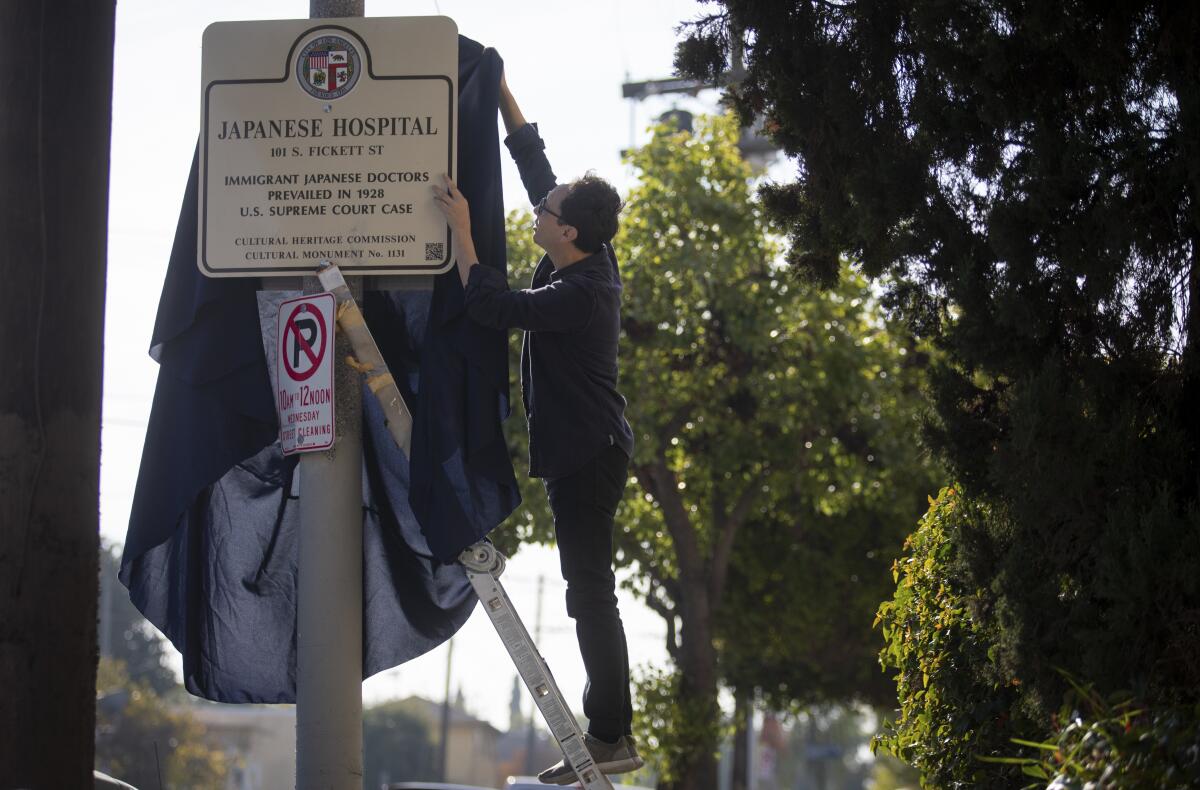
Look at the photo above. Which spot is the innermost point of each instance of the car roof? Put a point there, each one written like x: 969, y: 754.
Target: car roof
x: 432, y: 786
x: 532, y: 783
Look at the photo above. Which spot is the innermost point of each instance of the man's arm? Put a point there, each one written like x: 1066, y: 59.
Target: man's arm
x: 561, y: 306
x: 526, y: 147
x: 509, y: 111
x: 453, y: 205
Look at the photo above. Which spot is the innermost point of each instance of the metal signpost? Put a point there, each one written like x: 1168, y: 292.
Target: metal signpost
x: 319, y: 141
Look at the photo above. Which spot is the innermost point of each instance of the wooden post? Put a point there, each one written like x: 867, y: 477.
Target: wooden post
x: 56, y: 95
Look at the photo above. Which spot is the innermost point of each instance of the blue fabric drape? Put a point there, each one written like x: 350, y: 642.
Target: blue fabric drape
x: 211, y: 553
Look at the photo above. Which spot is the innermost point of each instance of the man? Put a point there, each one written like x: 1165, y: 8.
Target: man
x: 579, y: 440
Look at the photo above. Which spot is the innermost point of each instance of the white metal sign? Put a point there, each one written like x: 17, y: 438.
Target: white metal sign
x: 319, y: 141
x: 305, y: 373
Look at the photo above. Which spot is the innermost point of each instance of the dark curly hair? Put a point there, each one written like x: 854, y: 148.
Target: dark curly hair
x: 591, y: 207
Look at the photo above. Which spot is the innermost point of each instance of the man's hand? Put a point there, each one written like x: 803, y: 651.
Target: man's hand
x: 453, y: 205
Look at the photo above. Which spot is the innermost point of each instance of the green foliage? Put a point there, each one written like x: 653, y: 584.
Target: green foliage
x: 1117, y: 743
x: 922, y: 149
x: 1093, y: 544
x: 889, y: 773
x: 807, y: 576
x: 963, y: 706
x: 708, y: 321
x: 796, y: 621
x: 1045, y: 241
x: 953, y: 697
x: 745, y: 385
x: 668, y: 726
x: 774, y: 438
x: 397, y: 745
x: 801, y: 406
x: 137, y: 732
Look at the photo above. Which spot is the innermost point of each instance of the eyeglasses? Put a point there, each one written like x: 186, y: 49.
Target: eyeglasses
x: 541, y: 208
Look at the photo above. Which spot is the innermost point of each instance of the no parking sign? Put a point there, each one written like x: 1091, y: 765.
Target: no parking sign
x: 305, y: 373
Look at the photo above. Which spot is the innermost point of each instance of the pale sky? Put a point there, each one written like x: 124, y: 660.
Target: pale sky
x: 565, y: 62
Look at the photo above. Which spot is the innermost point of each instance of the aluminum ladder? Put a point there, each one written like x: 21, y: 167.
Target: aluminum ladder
x: 484, y: 564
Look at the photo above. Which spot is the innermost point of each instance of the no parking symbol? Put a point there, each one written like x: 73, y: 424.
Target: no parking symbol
x: 305, y: 373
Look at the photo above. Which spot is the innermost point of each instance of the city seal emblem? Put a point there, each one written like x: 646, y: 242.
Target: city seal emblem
x: 328, y: 67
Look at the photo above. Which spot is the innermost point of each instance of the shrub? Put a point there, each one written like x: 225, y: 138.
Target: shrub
x: 954, y: 705
x: 1116, y: 743
x: 963, y: 702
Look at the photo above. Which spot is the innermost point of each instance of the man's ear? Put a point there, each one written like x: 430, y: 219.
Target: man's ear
x: 570, y: 233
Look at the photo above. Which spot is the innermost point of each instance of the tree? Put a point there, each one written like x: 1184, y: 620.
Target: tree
x: 140, y: 728
x: 1029, y: 177
x: 396, y: 745
x: 54, y: 140
x: 761, y: 414
x: 140, y: 739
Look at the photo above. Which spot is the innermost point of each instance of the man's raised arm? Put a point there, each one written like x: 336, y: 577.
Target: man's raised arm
x: 509, y: 111
x: 526, y: 147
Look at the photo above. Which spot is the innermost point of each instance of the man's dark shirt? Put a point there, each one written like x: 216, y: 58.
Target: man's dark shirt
x: 572, y: 322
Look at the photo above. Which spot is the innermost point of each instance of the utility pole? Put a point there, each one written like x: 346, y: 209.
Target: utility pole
x: 54, y: 163
x: 329, y: 742
x: 444, y: 741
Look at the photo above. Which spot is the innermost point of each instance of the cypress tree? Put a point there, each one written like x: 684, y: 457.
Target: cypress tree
x: 1024, y: 180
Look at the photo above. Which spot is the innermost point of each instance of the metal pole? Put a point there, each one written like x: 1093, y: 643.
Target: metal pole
x: 530, y: 740
x: 444, y: 743
x: 329, y: 743
x: 328, y: 9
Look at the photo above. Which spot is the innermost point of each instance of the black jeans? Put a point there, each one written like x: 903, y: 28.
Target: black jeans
x: 584, y: 504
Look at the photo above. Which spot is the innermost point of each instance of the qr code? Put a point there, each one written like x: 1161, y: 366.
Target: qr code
x: 434, y: 250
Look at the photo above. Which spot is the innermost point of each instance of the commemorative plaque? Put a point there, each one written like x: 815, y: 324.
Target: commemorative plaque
x: 320, y: 140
